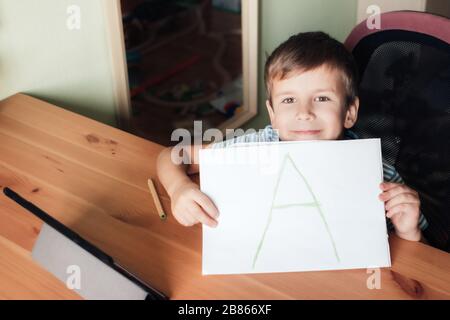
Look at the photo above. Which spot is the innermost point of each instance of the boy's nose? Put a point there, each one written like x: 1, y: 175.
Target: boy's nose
x: 304, y: 113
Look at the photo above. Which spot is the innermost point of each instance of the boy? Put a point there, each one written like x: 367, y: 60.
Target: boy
x: 311, y: 84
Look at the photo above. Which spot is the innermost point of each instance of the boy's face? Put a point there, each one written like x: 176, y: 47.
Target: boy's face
x: 311, y: 106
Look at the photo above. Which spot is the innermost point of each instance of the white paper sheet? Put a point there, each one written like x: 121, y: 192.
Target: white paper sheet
x: 297, y: 206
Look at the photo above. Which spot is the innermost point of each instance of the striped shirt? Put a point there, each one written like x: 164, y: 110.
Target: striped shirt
x: 268, y: 134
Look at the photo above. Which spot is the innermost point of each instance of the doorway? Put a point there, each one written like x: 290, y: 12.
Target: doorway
x: 184, y: 60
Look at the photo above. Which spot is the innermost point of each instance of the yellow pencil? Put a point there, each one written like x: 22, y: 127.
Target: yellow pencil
x: 158, y: 205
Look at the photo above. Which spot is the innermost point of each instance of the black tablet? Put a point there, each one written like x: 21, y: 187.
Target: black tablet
x: 57, y: 244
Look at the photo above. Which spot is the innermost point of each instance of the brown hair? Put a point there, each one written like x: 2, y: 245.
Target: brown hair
x: 307, y: 51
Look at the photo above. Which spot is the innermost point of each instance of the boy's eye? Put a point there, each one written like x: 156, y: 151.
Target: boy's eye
x: 288, y: 100
x: 322, y: 99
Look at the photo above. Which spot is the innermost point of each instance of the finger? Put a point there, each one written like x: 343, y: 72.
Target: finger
x: 187, y: 219
x: 385, y: 186
x: 206, y: 203
x: 401, y: 208
x: 180, y: 214
x: 184, y: 221
x: 388, y: 185
x: 201, y: 216
x: 394, y: 211
x: 392, y: 214
x: 399, y: 189
x: 401, y: 198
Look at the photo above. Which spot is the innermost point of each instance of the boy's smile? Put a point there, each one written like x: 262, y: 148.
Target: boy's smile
x: 310, y: 105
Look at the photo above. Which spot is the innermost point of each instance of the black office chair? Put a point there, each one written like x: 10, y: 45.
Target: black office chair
x: 405, y: 100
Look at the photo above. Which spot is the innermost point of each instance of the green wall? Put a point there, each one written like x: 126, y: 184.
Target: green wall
x: 280, y: 19
x: 41, y: 57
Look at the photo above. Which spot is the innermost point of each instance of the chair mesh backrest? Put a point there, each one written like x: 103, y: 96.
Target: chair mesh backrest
x: 405, y: 100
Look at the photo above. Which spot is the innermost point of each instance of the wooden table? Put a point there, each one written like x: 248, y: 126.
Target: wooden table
x: 93, y: 178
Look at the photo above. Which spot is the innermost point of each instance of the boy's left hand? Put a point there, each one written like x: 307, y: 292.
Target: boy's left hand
x: 402, y: 205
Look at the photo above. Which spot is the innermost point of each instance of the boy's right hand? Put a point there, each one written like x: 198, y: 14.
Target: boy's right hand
x: 191, y: 206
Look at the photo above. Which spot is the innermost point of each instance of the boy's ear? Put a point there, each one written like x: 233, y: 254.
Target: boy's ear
x: 270, y: 110
x: 352, y: 114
